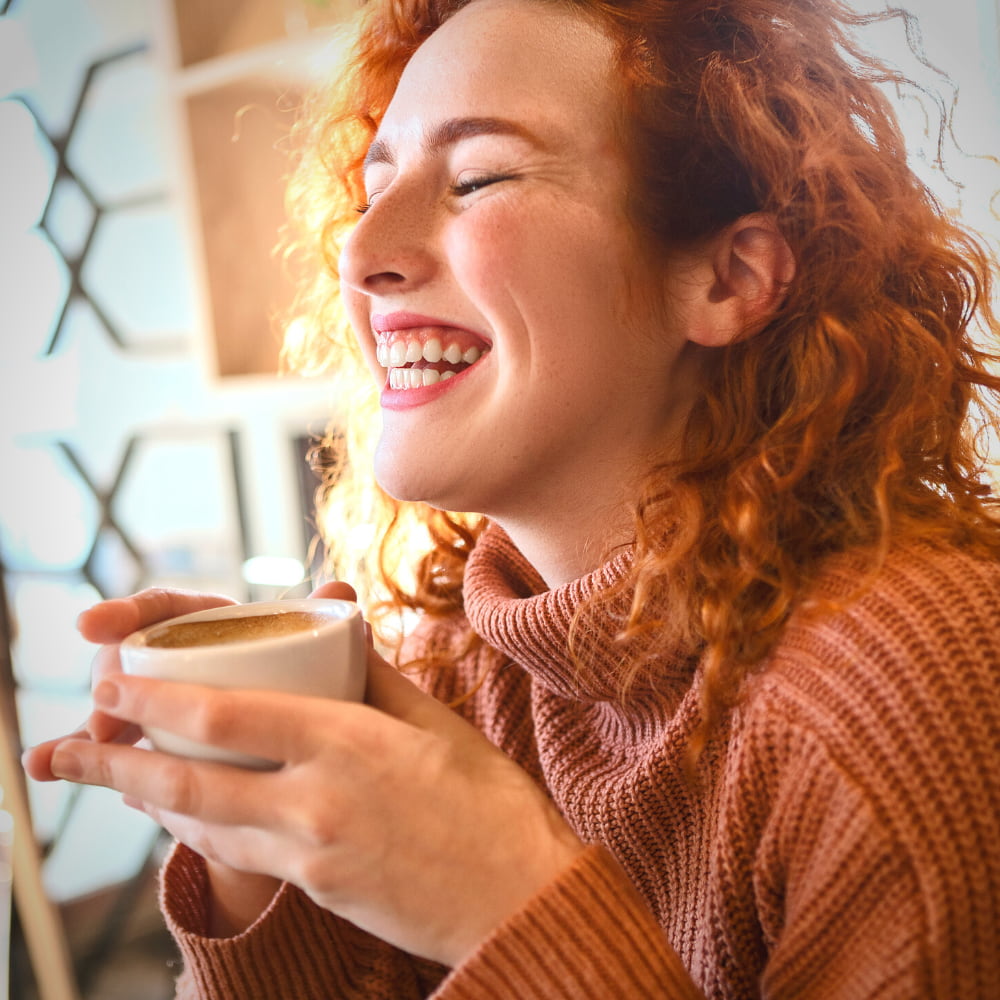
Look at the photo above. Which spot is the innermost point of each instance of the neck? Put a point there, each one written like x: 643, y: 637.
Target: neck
x: 567, y: 545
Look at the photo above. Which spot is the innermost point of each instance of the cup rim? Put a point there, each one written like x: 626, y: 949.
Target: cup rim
x: 336, y: 610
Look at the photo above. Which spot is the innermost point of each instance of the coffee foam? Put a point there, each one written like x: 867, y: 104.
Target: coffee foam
x: 216, y: 631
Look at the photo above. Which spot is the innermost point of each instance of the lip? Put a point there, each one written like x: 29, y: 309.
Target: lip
x: 404, y: 320
x: 387, y: 322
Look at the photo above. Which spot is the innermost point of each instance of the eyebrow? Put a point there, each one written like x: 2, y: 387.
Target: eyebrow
x: 450, y: 132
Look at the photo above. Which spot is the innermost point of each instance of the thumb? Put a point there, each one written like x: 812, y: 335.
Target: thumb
x: 391, y: 692
x: 336, y: 590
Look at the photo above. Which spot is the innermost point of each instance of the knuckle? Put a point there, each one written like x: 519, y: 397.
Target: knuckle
x: 205, y: 844
x: 318, y: 825
x: 315, y: 871
x: 102, y: 771
x: 157, y: 603
x: 134, y: 699
x: 178, y: 789
x: 210, y: 719
x: 154, y: 598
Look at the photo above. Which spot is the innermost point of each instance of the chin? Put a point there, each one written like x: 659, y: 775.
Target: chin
x: 431, y: 476
x: 408, y: 485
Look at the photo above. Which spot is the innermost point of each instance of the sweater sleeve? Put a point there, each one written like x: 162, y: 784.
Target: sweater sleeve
x: 588, y: 934
x: 294, y: 951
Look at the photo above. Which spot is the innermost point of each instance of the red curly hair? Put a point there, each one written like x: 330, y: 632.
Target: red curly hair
x: 847, y: 424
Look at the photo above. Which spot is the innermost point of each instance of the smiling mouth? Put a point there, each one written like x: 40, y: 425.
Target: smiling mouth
x: 414, y: 361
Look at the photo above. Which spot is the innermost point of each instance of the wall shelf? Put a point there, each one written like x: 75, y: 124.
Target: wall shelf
x: 237, y: 70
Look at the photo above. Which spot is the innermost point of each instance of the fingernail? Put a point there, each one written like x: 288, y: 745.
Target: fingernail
x: 106, y: 694
x: 66, y: 764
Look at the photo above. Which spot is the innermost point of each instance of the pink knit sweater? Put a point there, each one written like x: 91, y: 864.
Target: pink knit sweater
x: 841, y: 842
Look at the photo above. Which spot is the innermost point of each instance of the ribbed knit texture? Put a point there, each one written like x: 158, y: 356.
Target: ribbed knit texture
x: 841, y: 839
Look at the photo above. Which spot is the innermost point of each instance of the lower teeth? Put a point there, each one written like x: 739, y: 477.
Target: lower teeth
x: 416, y: 378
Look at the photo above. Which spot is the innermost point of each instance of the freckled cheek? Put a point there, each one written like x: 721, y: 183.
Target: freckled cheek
x: 492, y: 263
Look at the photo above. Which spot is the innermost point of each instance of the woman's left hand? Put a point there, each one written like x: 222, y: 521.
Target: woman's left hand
x: 395, y: 814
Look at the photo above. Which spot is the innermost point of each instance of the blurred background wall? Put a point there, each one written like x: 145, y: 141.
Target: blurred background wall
x: 145, y: 435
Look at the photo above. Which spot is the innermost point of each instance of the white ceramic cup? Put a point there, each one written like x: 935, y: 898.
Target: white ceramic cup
x: 324, y: 655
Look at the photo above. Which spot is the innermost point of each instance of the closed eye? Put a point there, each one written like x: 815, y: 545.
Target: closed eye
x: 361, y: 209
x: 460, y: 189
x: 474, y: 184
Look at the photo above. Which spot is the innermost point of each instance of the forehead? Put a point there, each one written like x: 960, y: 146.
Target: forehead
x: 521, y: 59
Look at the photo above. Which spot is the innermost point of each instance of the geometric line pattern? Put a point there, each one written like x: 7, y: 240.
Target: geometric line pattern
x: 75, y: 262
x: 107, y: 521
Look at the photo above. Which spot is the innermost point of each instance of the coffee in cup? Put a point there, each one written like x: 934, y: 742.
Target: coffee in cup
x: 240, y: 629
x: 310, y: 646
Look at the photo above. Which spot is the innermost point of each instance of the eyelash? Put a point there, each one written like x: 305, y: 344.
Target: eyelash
x: 460, y: 190
x: 473, y: 185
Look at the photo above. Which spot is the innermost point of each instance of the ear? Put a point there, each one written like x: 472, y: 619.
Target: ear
x: 744, y: 276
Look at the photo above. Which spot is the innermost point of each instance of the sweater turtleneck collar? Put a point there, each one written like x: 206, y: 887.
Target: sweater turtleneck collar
x: 509, y: 606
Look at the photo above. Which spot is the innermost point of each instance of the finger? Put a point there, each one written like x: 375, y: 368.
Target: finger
x: 102, y: 727
x: 342, y: 592
x: 110, y: 621
x: 390, y: 692
x: 336, y: 590
x: 245, y: 848
x: 209, y: 792
x: 286, y: 728
x: 37, y: 760
x: 106, y: 662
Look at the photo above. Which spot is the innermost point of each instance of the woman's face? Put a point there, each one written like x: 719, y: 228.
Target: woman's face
x: 496, y: 286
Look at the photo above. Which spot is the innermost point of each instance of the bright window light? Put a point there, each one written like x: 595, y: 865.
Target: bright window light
x: 273, y: 571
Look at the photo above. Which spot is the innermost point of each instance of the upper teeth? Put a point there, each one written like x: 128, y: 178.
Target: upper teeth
x: 409, y: 351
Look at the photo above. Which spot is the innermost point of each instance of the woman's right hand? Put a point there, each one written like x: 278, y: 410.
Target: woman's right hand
x: 107, y: 623
x: 237, y: 897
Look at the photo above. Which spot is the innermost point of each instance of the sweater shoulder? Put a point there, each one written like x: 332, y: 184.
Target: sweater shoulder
x: 897, y: 693
x: 926, y: 625
x: 869, y: 741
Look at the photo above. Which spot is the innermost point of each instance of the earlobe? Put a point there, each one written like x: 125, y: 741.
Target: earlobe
x: 752, y: 266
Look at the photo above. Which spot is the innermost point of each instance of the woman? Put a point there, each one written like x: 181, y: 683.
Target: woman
x: 650, y: 288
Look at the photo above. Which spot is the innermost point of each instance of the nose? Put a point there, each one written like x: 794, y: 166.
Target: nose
x: 391, y: 249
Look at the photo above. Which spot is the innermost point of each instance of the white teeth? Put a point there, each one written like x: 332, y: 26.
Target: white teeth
x: 397, y: 354
x: 403, y: 352
x: 415, y: 378
x: 433, y: 350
